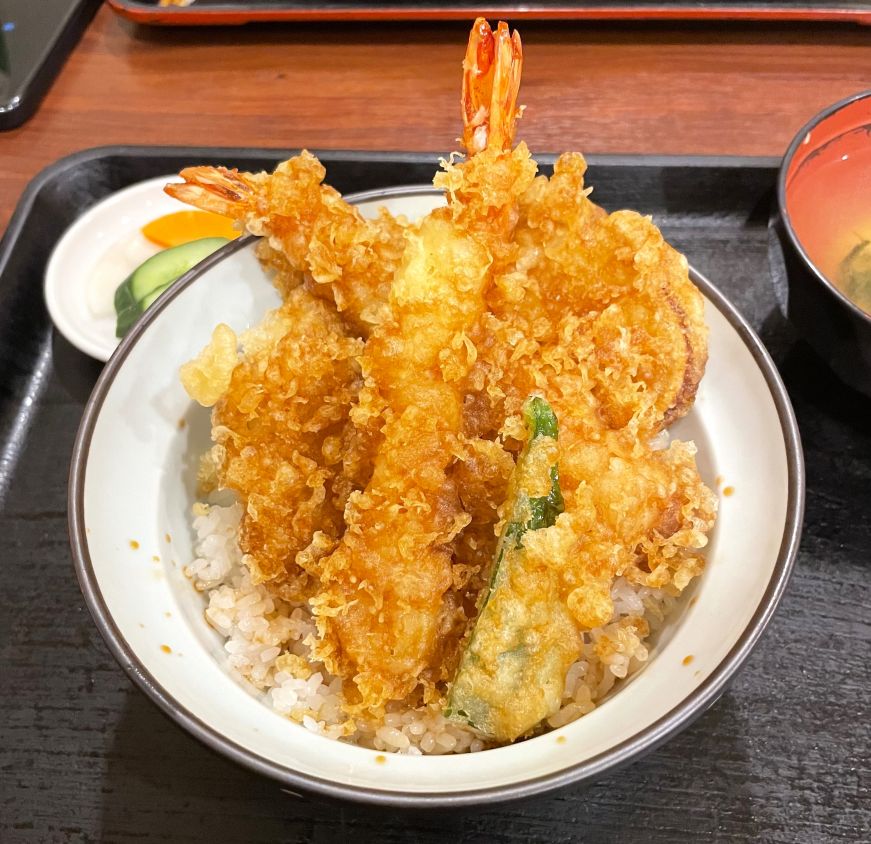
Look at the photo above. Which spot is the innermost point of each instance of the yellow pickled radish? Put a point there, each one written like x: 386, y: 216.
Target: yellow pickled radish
x: 185, y: 226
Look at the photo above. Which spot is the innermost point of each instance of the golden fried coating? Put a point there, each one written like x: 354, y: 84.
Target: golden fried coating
x: 650, y: 315
x: 281, y: 433
x: 596, y: 297
x: 384, y: 609
x: 321, y: 239
x: 629, y: 511
x: 370, y: 424
x: 380, y: 604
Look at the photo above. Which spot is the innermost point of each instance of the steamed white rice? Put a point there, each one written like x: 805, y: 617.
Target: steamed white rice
x: 267, y: 645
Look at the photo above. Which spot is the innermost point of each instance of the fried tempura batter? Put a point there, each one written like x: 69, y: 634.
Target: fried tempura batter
x: 322, y: 239
x: 369, y: 426
x: 281, y: 435
x: 385, y: 610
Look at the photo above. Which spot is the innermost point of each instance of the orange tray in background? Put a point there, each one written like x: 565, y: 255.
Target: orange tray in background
x: 205, y: 12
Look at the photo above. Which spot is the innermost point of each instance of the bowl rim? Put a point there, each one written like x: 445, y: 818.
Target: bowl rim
x: 640, y: 743
x: 796, y: 244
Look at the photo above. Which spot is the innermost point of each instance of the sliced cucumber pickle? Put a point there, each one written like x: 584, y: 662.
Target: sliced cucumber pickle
x: 151, y: 278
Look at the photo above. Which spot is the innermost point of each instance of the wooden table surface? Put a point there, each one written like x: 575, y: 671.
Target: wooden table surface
x: 652, y: 88
x: 783, y: 757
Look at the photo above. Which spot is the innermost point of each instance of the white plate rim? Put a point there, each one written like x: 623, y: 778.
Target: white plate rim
x: 66, y: 324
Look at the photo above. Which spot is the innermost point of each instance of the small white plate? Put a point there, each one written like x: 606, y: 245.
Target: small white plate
x: 95, y: 254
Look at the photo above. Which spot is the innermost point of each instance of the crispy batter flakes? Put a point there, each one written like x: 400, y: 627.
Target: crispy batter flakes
x: 369, y: 424
x: 207, y: 377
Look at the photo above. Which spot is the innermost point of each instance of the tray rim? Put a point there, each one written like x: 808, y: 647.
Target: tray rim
x: 26, y: 200
x: 639, y: 744
x: 143, y: 13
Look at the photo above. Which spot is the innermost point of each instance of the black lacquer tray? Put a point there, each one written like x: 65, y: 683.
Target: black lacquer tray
x: 783, y: 756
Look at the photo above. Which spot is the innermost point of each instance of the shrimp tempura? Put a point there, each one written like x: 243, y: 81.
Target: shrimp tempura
x: 387, y: 584
x: 324, y: 241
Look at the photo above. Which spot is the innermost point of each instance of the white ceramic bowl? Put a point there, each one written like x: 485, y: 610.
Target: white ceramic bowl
x: 133, y: 478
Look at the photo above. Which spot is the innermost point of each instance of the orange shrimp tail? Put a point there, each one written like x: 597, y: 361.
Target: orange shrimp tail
x: 491, y: 82
x: 216, y: 189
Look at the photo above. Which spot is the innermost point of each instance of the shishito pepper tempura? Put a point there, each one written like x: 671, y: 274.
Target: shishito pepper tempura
x: 371, y: 426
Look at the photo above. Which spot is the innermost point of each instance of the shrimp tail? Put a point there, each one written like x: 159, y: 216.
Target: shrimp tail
x: 491, y: 82
x: 215, y: 189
